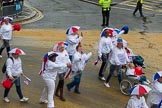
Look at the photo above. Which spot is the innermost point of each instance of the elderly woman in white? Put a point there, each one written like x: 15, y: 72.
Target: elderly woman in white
x: 63, y: 57
x: 79, y: 63
x: 49, y: 77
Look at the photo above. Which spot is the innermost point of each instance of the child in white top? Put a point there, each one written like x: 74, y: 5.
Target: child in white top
x: 79, y: 62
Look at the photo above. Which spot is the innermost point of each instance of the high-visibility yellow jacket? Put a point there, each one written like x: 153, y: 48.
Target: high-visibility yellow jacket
x: 141, y: 1
x: 105, y: 4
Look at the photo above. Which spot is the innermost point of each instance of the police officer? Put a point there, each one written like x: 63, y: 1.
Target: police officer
x: 138, y: 7
x: 105, y: 4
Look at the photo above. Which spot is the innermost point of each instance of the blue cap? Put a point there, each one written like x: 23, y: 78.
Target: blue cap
x: 119, y: 40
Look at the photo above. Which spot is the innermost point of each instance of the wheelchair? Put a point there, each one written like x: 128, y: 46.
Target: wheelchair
x: 130, y: 80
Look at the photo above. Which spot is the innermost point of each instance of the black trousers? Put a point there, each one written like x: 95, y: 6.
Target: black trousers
x: 6, y: 45
x: 105, y: 60
x: 105, y: 15
x: 138, y: 7
x: 61, y: 80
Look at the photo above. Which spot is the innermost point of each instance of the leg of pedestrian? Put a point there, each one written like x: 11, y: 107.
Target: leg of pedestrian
x: 112, y: 69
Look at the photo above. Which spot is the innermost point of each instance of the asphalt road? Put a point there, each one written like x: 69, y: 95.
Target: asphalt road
x: 61, y: 14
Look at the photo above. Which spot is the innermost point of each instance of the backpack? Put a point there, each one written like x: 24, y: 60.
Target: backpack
x: 4, y: 65
x: 138, y: 61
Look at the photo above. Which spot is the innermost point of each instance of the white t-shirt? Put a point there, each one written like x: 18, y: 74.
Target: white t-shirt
x: 105, y: 46
x: 118, y: 56
x: 6, y: 31
x: 72, y: 41
x: 134, y: 102
x: 51, y: 69
x: 155, y: 95
x: 63, y: 57
x: 14, y: 68
x: 80, y: 61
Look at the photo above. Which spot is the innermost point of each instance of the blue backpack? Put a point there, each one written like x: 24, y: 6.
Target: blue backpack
x: 138, y: 61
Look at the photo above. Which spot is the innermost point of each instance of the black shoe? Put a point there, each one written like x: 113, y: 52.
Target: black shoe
x: 142, y: 16
x: 77, y: 92
x: 134, y: 14
x: 107, y: 25
x: 101, y: 78
x: 102, y: 24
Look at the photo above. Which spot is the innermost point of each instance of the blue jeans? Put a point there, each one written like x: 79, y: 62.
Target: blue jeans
x: 75, y: 83
x: 18, y: 88
x: 71, y: 58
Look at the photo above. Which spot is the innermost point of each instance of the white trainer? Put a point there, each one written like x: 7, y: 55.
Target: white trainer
x: 6, y: 99
x: 145, y: 83
x: 101, y: 78
x: 24, y: 99
x: 43, y: 101
x: 0, y: 56
x: 107, y: 85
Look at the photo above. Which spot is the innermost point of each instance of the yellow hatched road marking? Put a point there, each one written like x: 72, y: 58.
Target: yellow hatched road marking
x: 155, y: 1
x: 147, y: 4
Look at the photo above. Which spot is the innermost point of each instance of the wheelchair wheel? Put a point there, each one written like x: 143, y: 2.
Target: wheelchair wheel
x: 125, y: 86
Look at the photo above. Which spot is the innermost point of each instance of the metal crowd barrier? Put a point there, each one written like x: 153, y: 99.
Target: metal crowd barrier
x: 10, y: 10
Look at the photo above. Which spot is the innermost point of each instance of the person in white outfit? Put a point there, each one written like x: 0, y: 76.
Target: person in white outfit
x: 160, y: 104
x: 73, y: 40
x: 105, y: 47
x: 13, y: 72
x: 79, y: 63
x: 118, y: 58
x: 63, y: 57
x: 137, y: 101
x: 6, y: 35
x: 155, y: 95
x: 49, y: 77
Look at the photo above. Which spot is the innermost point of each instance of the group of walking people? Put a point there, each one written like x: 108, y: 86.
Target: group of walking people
x: 114, y: 50
x: 66, y: 58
